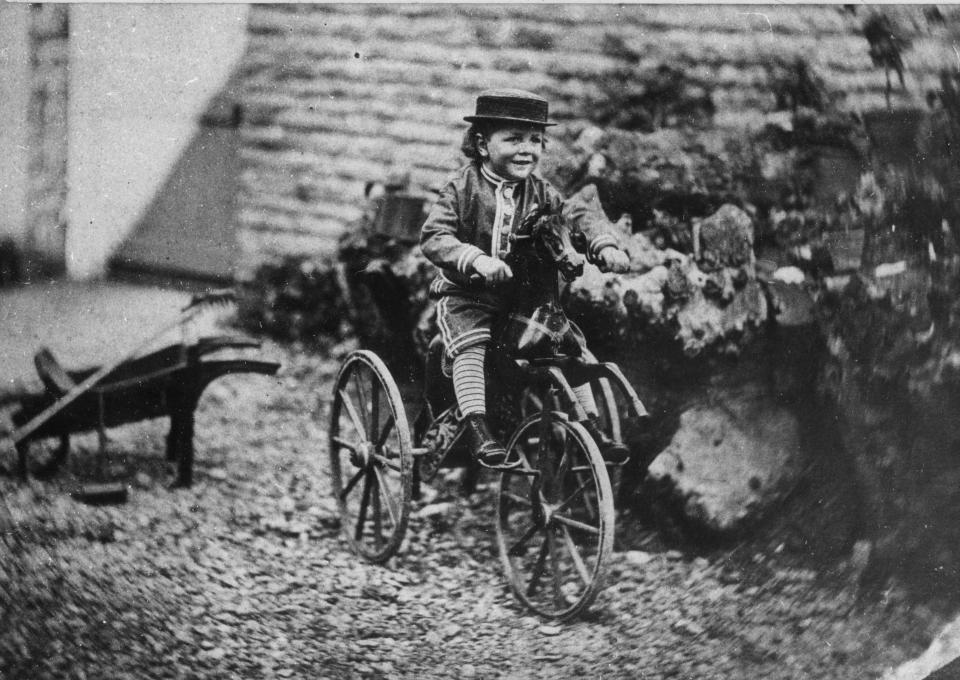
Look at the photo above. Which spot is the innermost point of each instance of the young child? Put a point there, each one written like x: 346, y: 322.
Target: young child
x: 467, y: 233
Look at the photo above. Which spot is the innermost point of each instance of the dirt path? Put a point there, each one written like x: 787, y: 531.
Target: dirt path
x: 245, y: 576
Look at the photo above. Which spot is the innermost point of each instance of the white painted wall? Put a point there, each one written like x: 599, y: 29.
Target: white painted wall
x: 14, y: 102
x: 140, y: 75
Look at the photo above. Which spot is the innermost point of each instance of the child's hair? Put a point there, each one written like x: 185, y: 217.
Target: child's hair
x: 484, y: 128
x: 469, y: 145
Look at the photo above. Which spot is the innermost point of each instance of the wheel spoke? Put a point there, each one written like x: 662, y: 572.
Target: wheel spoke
x: 377, y: 514
x: 517, y: 548
x: 592, y: 511
x: 548, y: 462
x: 352, y: 483
x: 386, y: 495
x: 385, y: 432
x: 364, y: 502
x: 517, y: 498
x: 569, y: 499
x: 362, y: 394
x: 386, y: 462
x: 561, y: 471
x: 575, y: 554
x: 340, y: 441
x: 538, y: 568
x: 358, y: 424
x: 575, y: 524
x: 374, y: 410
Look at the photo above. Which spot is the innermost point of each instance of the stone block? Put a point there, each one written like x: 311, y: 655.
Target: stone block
x: 731, y: 458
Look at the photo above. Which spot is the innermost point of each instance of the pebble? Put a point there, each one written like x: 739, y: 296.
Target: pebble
x: 266, y: 607
x: 218, y: 473
x: 215, y: 654
x: 638, y: 557
x: 451, y: 630
x: 689, y: 627
x: 434, y: 510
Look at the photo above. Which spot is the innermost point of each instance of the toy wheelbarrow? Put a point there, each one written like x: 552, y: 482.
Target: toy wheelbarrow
x: 166, y: 382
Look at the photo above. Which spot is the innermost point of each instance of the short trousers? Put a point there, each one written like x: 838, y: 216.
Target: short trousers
x: 465, y: 319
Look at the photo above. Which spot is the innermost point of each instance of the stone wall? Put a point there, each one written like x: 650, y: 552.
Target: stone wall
x: 336, y: 95
x: 47, y: 138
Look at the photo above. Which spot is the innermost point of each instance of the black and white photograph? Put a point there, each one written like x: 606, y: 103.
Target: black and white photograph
x: 462, y: 340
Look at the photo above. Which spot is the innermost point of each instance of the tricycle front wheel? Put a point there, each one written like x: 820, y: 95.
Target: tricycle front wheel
x: 371, y: 462
x: 555, y: 517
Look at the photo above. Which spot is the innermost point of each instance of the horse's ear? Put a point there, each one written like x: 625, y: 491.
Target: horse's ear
x: 531, y: 218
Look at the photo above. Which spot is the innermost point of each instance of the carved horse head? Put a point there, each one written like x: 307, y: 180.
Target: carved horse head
x: 536, y: 326
x: 546, y: 232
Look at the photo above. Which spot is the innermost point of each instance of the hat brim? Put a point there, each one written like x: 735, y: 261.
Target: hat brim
x: 507, y: 119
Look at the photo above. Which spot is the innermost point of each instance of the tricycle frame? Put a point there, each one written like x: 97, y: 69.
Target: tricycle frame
x: 560, y: 494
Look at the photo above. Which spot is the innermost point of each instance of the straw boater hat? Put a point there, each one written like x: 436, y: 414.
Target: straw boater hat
x: 518, y: 106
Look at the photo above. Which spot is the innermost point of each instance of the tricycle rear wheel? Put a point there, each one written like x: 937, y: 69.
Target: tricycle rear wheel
x: 555, y: 517
x: 371, y: 461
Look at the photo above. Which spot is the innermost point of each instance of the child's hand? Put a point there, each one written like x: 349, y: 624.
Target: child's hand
x: 613, y: 259
x: 492, y: 270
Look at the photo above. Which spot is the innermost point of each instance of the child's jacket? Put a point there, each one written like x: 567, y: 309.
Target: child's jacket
x: 461, y: 224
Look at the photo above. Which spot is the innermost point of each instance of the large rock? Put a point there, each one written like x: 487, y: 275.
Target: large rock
x: 722, y: 360
x: 725, y: 239
x: 704, y: 325
x: 744, y: 424
x: 701, y: 301
x: 733, y: 456
x: 675, y: 172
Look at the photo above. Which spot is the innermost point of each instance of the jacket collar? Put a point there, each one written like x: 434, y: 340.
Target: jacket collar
x: 496, y: 179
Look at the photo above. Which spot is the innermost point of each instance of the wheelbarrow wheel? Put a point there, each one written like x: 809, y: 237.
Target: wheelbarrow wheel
x: 45, y: 463
x: 555, y: 520
x: 371, y: 462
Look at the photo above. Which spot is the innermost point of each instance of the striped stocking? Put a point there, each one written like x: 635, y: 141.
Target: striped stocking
x: 585, y: 396
x: 468, y: 380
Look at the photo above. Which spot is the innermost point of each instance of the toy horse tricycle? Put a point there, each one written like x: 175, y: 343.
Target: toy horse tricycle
x: 555, y: 516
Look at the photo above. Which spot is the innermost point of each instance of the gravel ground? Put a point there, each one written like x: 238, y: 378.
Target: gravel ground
x: 245, y: 575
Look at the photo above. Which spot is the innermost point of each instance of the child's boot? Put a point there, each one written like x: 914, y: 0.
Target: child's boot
x: 486, y: 450
x: 612, y: 450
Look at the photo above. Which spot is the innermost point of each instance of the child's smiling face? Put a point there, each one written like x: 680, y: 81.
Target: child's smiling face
x: 513, y: 151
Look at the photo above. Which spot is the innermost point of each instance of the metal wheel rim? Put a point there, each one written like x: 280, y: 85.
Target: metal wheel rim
x: 539, y: 549
x: 370, y: 459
